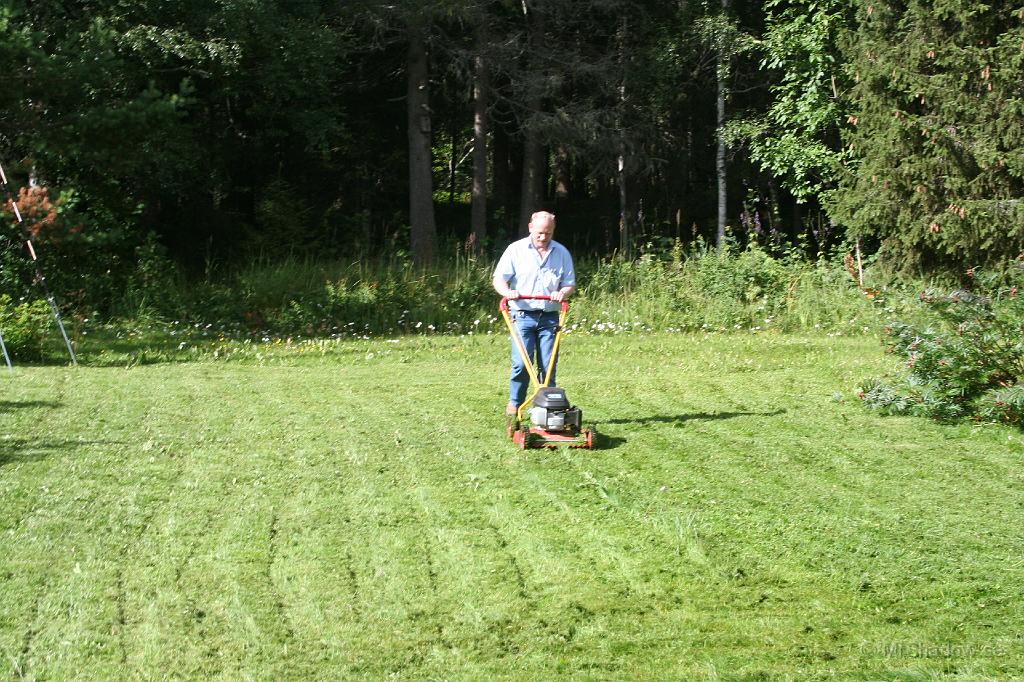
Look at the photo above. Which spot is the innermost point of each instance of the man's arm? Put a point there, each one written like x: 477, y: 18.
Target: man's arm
x: 501, y: 286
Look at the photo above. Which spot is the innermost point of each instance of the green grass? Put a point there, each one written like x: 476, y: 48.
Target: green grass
x: 352, y: 510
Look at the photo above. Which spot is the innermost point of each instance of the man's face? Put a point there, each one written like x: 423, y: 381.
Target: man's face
x: 541, y: 230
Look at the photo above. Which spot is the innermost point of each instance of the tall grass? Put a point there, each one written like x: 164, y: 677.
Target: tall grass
x: 733, y: 289
x: 728, y: 289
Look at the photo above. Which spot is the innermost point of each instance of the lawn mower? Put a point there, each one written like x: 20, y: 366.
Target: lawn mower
x: 553, y: 421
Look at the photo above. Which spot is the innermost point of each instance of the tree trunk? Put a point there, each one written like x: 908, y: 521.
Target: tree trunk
x: 453, y: 159
x: 501, y: 155
x: 720, y: 169
x: 563, y: 183
x: 798, y: 220
x: 534, y: 174
x: 624, y: 237
x: 421, y: 185
x: 534, y: 157
x: 775, y: 214
x: 625, y: 242
x: 479, y: 197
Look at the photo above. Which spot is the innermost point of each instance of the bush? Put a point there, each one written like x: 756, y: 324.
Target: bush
x: 966, y: 361
x: 95, y: 262
x: 24, y: 327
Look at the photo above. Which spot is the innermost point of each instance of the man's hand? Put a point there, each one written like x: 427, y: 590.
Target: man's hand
x: 562, y: 293
x: 501, y: 286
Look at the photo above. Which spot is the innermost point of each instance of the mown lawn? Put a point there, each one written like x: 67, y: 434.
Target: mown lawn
x: 353, y: 511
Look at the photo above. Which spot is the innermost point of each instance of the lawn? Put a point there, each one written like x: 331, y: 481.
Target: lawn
x: 352, y: 510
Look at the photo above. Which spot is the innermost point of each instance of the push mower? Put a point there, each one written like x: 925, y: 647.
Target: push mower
x: 553, y: 421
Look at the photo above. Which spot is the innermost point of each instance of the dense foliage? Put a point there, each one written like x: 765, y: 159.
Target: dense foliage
x: 966, y: 359
x: 173, y: 138
x: 24, y: 325
x: 936, y: 131
x: 703, y: 289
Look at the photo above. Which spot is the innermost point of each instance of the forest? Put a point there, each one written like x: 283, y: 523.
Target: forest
x: 234, y: 131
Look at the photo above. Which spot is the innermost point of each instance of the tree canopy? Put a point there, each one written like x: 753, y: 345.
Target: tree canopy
x: 234, y: 129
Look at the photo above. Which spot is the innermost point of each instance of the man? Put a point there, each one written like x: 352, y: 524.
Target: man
x: 536, y: 265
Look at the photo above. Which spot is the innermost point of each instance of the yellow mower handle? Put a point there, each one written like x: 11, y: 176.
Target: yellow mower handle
x: 516, y: 339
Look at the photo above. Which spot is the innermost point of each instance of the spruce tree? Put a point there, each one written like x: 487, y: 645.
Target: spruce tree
x: 936, y: 132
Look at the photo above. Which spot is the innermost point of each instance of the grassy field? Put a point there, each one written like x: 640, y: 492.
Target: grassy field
x: 352, y: 510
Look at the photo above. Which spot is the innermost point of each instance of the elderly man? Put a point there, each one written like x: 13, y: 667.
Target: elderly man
x: 536, y: 265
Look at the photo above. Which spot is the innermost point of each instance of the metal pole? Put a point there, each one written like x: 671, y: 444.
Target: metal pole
x: 7, y: 358
x: 40, y: 278
x: 60, y: 323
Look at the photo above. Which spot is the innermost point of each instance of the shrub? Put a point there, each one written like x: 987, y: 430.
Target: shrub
x: 153, y: 285
x: 24, y: 327
x: 94, y: 260
x: 967, y: 360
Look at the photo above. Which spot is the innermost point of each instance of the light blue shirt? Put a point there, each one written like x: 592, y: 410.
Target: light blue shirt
x: 521, y: 266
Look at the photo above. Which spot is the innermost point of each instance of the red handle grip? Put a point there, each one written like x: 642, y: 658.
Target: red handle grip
x: 504, y: 301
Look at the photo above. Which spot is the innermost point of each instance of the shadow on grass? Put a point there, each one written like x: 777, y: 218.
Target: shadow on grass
x: 17, y: 450
x: 8, y: 405
x: 693, y: 416
x: 602, y: 441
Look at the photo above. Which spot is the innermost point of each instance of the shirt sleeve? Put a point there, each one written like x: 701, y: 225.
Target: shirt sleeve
x: 505, y: 267
x: 569, y: 276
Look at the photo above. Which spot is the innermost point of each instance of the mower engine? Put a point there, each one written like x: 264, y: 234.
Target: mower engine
x: 551, y: 411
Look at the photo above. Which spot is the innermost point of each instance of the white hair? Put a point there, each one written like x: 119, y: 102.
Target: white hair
x: 550, y: 217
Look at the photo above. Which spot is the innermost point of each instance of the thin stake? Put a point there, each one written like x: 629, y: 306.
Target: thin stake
x: 60, y: 323
x: 7, y: 358
x: 860, y: 266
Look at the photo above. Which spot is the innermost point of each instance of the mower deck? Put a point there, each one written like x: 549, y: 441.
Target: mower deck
x: 537, y: 437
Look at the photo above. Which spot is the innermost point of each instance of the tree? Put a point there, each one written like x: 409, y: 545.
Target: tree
x: 531, y: 193
x: 723, y: 57
x: 481, y: 84
x: 421, y: 190
x: 798, y: 138
x: 935, y: 133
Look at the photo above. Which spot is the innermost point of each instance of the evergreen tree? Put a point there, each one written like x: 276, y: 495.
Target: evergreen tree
x: 936, y: 132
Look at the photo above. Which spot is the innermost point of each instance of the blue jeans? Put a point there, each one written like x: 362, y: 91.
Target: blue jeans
x: 537, y: 331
